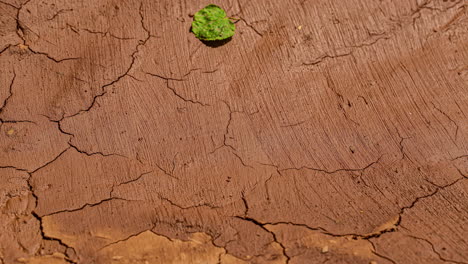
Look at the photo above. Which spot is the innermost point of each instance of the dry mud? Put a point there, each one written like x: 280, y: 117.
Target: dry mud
x: 323, y: 132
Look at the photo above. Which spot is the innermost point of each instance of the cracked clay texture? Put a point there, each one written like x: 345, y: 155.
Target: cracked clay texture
x: 325, y: 131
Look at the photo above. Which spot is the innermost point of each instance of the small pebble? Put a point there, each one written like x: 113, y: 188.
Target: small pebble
x: 325, y: 249
x: 373, y: 262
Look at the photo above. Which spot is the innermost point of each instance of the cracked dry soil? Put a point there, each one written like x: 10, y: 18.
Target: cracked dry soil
x: 326, y: 131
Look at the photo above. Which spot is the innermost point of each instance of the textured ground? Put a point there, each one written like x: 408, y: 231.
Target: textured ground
x: 325, y: 131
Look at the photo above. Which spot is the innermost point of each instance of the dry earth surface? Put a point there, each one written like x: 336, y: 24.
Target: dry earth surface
x: 325, y: 131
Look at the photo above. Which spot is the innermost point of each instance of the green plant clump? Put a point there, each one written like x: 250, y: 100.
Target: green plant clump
x: 211, y: 23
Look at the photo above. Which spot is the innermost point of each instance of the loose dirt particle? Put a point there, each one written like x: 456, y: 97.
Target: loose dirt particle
x: 23, y: 47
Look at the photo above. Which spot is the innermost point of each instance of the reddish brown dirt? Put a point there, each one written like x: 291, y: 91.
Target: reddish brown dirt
x: 323, y: 132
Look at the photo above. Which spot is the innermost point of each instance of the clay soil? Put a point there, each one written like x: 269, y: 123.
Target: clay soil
x: 325, y: 131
